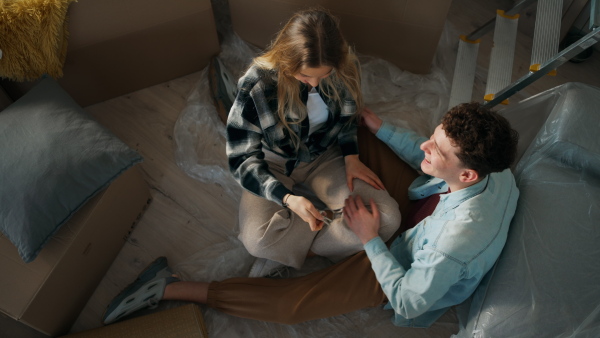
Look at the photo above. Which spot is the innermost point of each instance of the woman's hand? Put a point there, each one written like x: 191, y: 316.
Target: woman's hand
x: 306, y: 210
x: 363, y: 223
x: 372, y: 121
x: 356, y: 169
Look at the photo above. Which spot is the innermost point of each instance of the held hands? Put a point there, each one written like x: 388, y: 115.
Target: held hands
x: 356, y: 169
x: 372, y: 121
x: 363, y: 223
x: 306, y: 210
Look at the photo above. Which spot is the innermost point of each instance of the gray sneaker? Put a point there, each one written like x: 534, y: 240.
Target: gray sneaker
x: 263, y: 267
x: 146, y: 291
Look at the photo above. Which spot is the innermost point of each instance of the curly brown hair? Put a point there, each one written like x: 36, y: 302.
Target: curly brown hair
x: 485, y: 138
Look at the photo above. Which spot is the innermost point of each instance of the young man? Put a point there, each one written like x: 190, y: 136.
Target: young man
x: 467, y: 198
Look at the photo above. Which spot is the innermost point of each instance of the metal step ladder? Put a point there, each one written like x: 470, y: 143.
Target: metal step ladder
x: 545, y: 57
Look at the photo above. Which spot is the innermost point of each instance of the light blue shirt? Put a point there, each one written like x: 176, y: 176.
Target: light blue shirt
x: 440, y: 262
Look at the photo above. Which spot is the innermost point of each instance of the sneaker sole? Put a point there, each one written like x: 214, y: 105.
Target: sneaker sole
x: 144, y: 277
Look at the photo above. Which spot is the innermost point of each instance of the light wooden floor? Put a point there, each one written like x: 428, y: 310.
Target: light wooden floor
x: 187, y: 215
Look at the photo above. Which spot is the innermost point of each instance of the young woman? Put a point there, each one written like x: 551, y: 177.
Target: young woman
x: 293, y: 123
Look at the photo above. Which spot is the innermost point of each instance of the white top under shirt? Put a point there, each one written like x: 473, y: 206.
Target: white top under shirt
x: 317, y: 111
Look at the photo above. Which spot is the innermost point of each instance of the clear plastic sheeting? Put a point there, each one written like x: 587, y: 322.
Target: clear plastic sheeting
x: 200, y: 140
x: 200, y: 134
x: 359, y: 324
x: 545, y: 283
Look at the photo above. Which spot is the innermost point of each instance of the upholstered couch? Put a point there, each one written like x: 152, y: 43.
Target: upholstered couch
x: 545, y: 283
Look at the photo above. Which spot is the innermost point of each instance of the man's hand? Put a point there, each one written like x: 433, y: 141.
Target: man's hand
x: 372, y: 121
x: 306, y: 210
x: 356, y: 169
x: 363, y: 223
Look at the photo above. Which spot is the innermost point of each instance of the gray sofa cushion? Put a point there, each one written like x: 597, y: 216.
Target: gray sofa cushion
x: 54, y: 158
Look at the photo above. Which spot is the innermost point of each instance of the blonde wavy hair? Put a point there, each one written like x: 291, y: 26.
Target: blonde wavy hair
x: 310, y: 39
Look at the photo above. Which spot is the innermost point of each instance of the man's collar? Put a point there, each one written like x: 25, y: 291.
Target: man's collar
x: 455, y: 198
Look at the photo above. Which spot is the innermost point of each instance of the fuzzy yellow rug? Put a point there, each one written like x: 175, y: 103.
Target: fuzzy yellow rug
x: 33, y: 38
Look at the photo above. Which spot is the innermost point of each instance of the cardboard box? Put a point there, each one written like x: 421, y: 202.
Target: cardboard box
x: 49, y: 293
x: 404, y: 32
x: 116, y: 47
x: 184, y: 321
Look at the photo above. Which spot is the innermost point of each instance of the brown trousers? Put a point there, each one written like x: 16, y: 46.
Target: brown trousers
x: 347, y: 286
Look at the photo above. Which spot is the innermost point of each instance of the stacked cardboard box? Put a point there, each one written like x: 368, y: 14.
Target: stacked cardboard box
x: 49, y: 293
x: 180, y: 322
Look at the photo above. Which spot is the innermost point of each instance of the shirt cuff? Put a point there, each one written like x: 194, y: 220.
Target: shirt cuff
x: 386, y: 131
x: 279, y: 193
x: 375, y: 247
x: 349, y: 148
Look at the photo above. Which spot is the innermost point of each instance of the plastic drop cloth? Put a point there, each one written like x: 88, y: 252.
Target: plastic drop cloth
x: 403, y: 98
x: 200, y: 134
x: 546, y: 282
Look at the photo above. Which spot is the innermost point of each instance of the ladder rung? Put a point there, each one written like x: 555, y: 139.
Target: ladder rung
x: 464, y: 71
x: 546, y: 34
x: 488, y: 26
x: 501, y: 60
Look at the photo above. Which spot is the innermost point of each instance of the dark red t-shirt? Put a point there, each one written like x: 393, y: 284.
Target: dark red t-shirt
x: 423, y: 208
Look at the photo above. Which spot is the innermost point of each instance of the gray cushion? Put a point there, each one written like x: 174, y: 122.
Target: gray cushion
x: 54, y: 158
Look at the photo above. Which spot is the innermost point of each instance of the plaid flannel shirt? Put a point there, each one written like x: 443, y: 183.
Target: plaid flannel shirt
x: 253, y: 123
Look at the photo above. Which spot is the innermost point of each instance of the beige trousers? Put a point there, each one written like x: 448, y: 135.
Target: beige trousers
x: 271, y: 231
